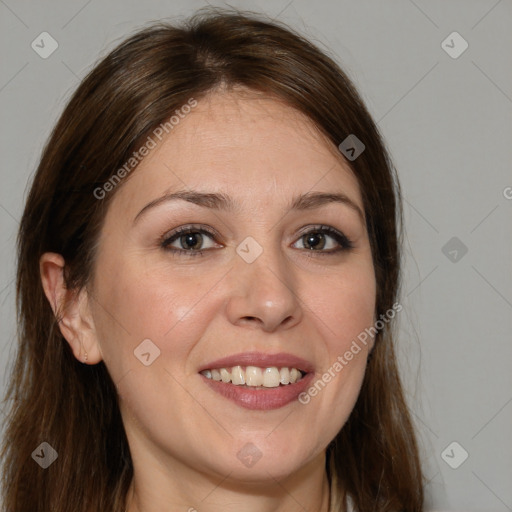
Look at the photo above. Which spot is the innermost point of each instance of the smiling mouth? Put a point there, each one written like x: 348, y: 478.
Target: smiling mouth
x: 255, y: 376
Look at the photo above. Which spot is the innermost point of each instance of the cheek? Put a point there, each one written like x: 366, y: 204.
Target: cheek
x: 170, y: 311
x: 344, y: 304
x: 136, y: 305
x: 342, y: 307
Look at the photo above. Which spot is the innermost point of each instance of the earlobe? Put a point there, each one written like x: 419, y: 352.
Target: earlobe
x: 70, y: 308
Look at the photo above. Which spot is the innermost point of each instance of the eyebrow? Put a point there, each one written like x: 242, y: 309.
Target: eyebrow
x: 221, y: 201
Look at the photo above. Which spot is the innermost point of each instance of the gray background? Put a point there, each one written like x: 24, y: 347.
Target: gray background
x: 447, y: 122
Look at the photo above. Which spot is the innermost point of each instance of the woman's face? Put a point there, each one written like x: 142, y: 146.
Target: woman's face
x: 257, y: 284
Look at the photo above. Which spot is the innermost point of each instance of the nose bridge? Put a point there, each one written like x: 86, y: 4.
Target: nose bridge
x: 263, y: 288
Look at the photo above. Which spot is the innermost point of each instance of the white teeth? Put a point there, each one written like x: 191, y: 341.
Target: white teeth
x: 225, y: 375
x: 271, y: 377
x: 237, y: 376
x: 294, y: 375
x: 284, y: 376
x: 254, y: 376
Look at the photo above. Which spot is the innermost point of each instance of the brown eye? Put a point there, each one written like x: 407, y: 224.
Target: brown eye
x: 325, y: 240
x: 192, y: 240
x: 188, y: 240
x: 314, y: 240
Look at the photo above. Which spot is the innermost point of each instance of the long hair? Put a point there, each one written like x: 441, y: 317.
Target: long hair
x: 73, y: 407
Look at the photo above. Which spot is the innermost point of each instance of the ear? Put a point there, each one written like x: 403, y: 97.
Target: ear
x: 72, y: 310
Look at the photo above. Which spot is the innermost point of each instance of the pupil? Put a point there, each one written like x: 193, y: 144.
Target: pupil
x: 314, y: 239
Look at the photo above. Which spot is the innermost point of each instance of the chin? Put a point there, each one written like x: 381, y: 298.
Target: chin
x: 263, y: 472
x: 249, y: 465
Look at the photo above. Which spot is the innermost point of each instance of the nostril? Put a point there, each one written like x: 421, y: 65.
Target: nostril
x: 250, y: 318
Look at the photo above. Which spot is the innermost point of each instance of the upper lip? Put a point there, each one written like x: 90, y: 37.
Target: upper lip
x: 280, y: 360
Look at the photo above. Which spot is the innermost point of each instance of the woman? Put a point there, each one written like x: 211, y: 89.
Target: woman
x: 208, y: 273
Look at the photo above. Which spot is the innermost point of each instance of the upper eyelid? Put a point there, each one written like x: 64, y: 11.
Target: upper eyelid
x: 188, y: 229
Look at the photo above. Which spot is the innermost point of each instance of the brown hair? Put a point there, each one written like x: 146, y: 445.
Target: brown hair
x: 53, y: 397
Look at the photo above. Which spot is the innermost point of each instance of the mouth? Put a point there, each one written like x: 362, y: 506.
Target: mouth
x: 258, y: 381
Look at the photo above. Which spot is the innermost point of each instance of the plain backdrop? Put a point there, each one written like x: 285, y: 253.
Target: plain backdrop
x: 445, y: 113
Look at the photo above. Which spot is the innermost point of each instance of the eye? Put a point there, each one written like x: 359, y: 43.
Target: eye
x: 187, y: 240
x: 317, y: 240
x: 190, y: 240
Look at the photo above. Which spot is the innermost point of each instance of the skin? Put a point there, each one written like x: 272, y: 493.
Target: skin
x: 184, y: 437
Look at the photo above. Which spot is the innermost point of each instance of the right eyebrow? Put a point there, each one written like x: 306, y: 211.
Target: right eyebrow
x: 218, y: 201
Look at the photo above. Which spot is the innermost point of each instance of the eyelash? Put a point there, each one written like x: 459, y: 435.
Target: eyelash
x: 343, y: 241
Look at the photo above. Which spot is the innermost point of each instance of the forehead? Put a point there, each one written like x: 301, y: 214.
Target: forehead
x: 257, y: 148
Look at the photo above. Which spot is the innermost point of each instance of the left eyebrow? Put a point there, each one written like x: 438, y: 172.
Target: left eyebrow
x: 221, y: 201
x: 313, y: 200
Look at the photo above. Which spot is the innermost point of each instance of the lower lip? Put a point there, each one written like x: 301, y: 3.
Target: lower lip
x: 260, y: 398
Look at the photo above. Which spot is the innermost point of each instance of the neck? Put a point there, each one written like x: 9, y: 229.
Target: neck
x: 154, y: 489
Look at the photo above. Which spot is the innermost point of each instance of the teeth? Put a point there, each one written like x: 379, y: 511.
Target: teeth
x: 237, y: 376
x: 225, y: 375
x: 271, y: 377
x: 254, y: 376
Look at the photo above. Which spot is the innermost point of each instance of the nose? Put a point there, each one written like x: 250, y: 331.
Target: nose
x: 263, y: 294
